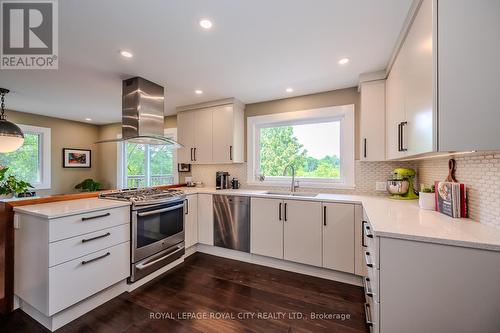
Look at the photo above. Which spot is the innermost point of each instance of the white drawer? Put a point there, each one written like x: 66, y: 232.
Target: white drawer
x: 75, y: 247
x: 371, y: 284
x: 78, y: 279
x: 368, y: 236
x: 372, y: 313
x: 74, y: 225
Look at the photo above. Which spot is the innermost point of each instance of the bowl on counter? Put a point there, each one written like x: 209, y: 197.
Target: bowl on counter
x: 398, y: 186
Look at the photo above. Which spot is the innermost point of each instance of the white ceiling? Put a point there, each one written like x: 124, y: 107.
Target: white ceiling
x: 255, y: 50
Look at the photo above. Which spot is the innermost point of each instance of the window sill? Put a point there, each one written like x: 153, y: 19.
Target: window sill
x: 308, y: 185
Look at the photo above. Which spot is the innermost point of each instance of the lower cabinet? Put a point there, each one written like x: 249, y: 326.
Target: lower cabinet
x: 338, y: 236
x: 307, y: 232
x: 266, y: 227
x: 302, y: 232
x: 205, y: 219
x: 191, y: 220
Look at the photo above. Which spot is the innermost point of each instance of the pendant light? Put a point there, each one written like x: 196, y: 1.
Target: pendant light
x: 11, y: 136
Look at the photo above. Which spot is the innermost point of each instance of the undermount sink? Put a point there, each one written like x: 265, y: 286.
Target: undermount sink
x: 293, y: 194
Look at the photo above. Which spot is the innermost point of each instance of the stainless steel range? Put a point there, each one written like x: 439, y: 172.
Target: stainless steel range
x: 157, y: 227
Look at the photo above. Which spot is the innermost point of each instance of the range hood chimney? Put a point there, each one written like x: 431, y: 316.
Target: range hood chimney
x: 142, y: 113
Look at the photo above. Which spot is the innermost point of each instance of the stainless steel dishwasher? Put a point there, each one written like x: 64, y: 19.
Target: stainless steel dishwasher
x: 232, y: 222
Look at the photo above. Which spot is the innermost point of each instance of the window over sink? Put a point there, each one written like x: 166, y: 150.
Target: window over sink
x: 31, y: 162
x: 145, y: 165
x: 318, y: 143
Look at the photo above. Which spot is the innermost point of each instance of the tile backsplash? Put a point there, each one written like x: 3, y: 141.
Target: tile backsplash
x: 481, y: 174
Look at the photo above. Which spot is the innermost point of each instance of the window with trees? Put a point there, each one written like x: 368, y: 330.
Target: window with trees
x: 148, y: 165
x: 31, y: 162
x: 319, y: 144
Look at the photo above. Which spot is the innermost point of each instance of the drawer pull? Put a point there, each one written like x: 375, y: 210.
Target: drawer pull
x: 95, y: 259
x: 368, y: 287
x: 368, y: 262
x: 368, y: 231
x: 96, y: 237
x: 95, y: 217
x: 368, y: 315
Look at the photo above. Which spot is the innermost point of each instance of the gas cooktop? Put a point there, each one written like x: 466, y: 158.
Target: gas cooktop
x: 144, y: 196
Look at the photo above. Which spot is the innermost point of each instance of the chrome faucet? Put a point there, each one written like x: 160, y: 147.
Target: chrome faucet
x: 293, y: 186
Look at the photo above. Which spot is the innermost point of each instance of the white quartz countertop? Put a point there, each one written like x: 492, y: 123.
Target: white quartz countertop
x: 71, y: 207
x: 398, y: 219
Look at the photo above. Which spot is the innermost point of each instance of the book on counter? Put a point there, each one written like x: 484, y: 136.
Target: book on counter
x: 451, y: 199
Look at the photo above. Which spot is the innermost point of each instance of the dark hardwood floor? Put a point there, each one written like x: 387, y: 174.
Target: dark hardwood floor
x: 223, y: 294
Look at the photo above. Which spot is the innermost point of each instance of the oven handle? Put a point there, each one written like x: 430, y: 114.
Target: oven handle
x: 145, y: 265
x: 152, y: 212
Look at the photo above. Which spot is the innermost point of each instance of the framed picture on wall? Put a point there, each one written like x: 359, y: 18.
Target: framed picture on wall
x: 182, y: 167
x: 77, y: 158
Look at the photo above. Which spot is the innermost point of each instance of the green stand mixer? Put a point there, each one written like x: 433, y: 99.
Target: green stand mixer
x: 401, y: 185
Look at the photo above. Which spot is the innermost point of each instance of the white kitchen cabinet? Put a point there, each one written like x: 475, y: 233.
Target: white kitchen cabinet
x: 228, y: 140
x: 205, y: 219
x: 302, y: 232
x: 185, y: 135
x: 202, y: 152
x: 266, y: 227
x: 468, y: 74
x: 372, y: 121
x: 216, y: 132
x: 191, y: 220
x: 61, y: 260
x: 338, y: 236
x: 410, y: 124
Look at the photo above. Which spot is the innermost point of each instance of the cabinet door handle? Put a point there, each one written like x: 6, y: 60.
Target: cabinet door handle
x: 363, y: 234
x: 187, y: 207
x: 95, y: 217
x: 364, y: 149
x: 368, y: 287
x: 85, y: 262
x: 194, y: 150
x: 279, y: 211
x: 368, y: 262
x: 286, y: 212
x: 231, y: 153
x: 324, y: 215
x: 399, y: 137
x: 96, y: 237
x: 403, y: 124
x: 368, y: 315
x: 191, y: 154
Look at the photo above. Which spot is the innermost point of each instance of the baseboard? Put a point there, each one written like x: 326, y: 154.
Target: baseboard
x: 282, y: 264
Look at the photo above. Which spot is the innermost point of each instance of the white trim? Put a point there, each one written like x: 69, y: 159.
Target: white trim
x: 344, y: 113
x: 173, y: 133
x: 45, y: 149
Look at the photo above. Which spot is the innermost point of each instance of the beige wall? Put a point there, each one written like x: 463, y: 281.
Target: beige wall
x: 64, y: 134
x: 306, y: 102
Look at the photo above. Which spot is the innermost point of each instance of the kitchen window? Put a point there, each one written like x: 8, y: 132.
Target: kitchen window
x: 149, y: 165
x: 31, y: 162
x: 318, y: 143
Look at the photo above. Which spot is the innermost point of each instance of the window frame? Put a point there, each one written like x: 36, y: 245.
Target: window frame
x: 44, y: 155
x: 343, y: 113
x: 121, y: 169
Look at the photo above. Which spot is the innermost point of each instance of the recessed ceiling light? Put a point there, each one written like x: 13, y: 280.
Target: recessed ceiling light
x: 88, y: 119
x: 344, y: 61
x: 289, y: 90
x: 126, y: 54
x: 198, y: 92
x: 205, y: 23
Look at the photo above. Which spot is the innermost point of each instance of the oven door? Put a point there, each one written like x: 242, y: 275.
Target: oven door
x: 155, y: 229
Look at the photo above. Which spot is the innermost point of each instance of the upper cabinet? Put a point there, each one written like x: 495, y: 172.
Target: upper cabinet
x: 441, y: 90
x: 211, y: 132
x: 372, y: 120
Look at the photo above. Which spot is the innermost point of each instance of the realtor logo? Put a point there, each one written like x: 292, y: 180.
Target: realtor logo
x: 29, y: 36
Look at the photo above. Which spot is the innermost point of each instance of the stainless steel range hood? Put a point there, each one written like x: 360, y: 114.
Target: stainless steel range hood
x: 142, y: 113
